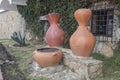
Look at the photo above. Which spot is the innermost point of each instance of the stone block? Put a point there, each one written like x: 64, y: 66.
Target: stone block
x: 105, y: 49
x: 86, y: 66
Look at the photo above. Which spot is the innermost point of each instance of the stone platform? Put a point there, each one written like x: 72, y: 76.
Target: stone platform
x: 70, y: 68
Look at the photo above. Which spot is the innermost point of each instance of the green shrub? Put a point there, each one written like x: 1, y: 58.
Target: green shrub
x: 17, y: 37
x: 110, y: 65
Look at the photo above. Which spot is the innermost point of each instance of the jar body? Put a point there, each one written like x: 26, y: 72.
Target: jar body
x: 82, y: 42
x: 54, y: 35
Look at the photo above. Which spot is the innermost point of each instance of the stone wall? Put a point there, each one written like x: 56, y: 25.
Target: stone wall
x: 10, y: 21
x: 106, y: 47
x: 116, y: 29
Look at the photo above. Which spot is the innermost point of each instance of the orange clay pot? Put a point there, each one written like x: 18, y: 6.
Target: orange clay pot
x: 47, y: 56
x: 55, y: 34
x: 82, y: 41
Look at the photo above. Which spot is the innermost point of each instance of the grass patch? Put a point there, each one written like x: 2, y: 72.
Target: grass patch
x: 39, y: 78
x: 111, y: 66
x: 23, y: 55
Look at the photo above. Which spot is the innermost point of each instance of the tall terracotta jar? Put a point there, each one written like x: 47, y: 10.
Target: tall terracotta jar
x: 47, y: 56
x: 82, y: 41
x: 55, y: 34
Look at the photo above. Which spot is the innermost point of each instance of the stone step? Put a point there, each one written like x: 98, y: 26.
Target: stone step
x: 85, y: 66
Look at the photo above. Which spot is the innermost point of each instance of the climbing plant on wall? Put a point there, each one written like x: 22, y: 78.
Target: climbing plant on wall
x: 31, y: 14
x: 66, y: 8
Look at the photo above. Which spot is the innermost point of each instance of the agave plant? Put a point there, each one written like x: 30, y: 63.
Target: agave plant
x: 18, y: 38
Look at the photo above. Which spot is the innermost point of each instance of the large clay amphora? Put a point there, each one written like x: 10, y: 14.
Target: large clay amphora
x: 82, y: 41
x: 55, y: 34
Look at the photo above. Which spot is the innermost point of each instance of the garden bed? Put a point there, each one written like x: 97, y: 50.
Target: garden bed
x: 9, y: 68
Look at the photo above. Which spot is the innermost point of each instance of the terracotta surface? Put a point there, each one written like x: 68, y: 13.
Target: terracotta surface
x: 82, y: 41
x: 47, y: 56
x: 54, y: 35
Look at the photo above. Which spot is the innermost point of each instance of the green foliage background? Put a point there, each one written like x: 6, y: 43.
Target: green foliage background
x: 36, y: 8
x: 66, y: 8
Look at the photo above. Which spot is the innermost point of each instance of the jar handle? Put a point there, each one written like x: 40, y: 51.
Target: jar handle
x: 33, y: 53
x: 54, y: 54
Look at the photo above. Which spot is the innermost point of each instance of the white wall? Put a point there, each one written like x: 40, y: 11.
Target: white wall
x: 10, y: 21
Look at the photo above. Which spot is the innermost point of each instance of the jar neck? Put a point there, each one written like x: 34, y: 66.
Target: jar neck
x: 82, y: 24
x: 82, y: 27
x: 53, y: 18
x: 55, y: 24
x: 82, y: 16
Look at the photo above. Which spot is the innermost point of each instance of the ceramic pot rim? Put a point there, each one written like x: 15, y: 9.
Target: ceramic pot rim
x: 52, y: 14
x: 84, y: 9
x: 48, y: 50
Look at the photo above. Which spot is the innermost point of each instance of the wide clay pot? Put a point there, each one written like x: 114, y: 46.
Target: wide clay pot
x: 54, y: 35
x: 47, y: 56
x: 82, y: 41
